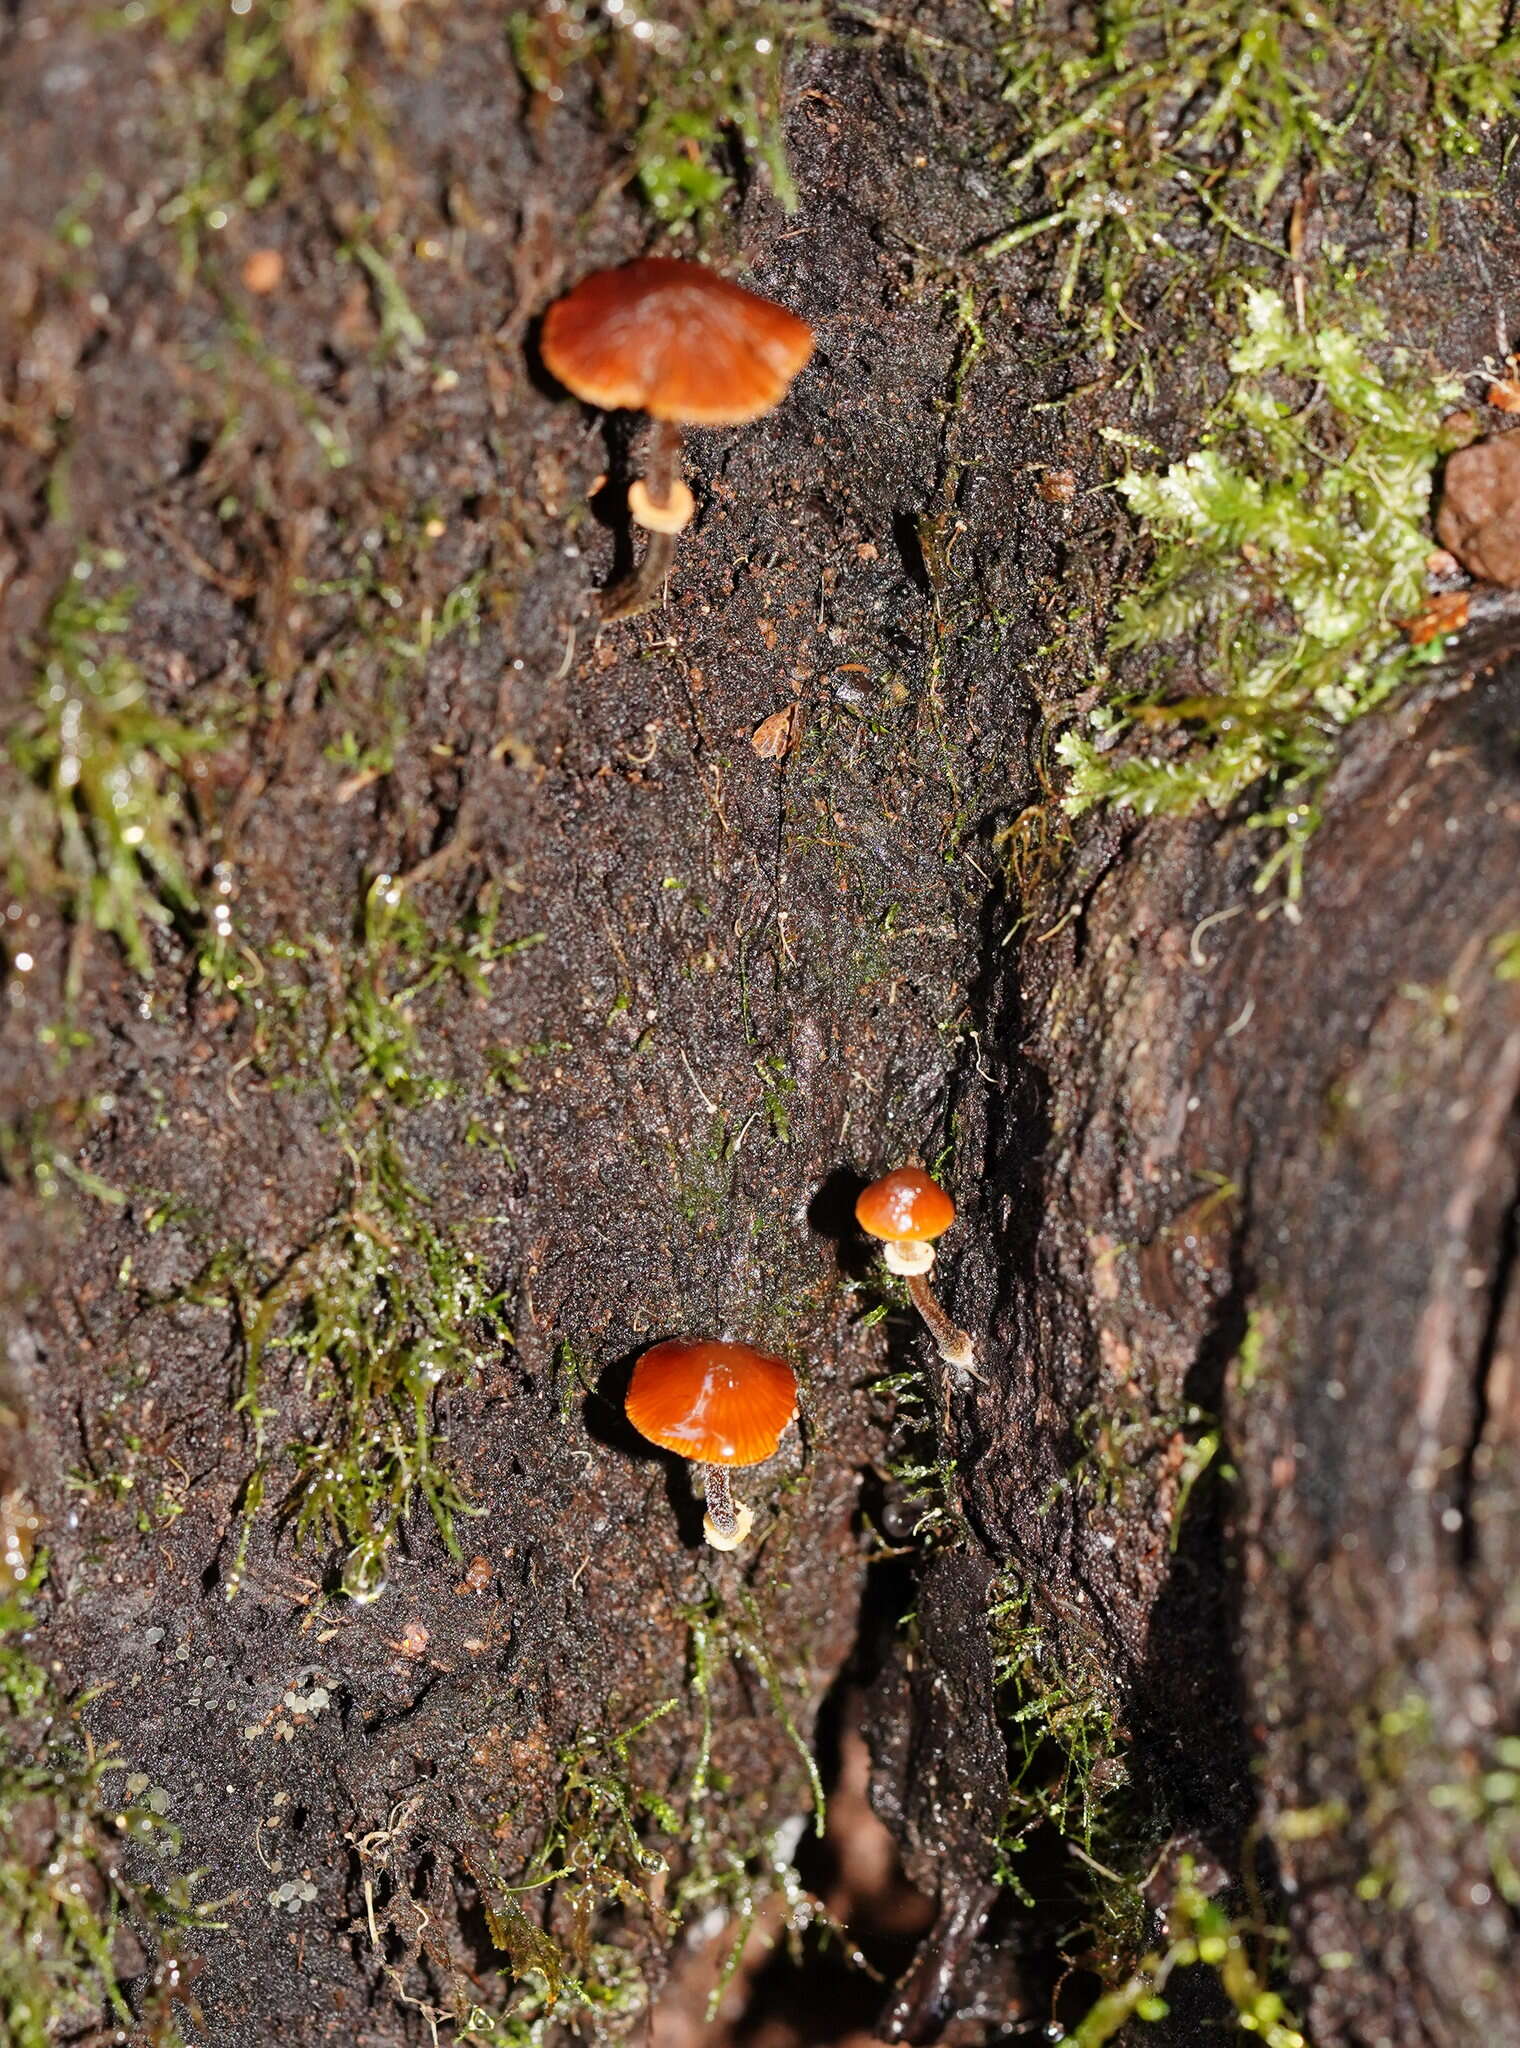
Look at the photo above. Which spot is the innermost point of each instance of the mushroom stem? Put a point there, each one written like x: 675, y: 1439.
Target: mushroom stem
x: 639, y: 591
x: 663, y: 462
x: 720, y: 1498
x: 727, y: 1521
x: 955, y: 1347
x: 910, y: 1256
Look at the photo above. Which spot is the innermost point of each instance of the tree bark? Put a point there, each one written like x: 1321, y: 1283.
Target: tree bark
x: 1266, y: 1180
x: 1235, y: 1496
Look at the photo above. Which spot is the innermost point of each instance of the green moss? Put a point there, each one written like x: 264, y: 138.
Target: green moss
x: 1070, y: 1785
x: 33, y: 1154
x: 596, y: 1844
x: 777, y: 1089
x: 1143, y: 129
x: 610, y: 1989
x: 73, y: 1842
x: 1204, y: 1936
x: 918, y: 1466
x: 400, y: 958
x: 695, y: 92
x: 700, y: 1178
x: 97, y: 824
x: 1251, y: 1360
x: 1286, y: 550
x: 596, y: 1853
x: 263, y: 92
x: 722, y: 91
x: 509, y: 1063
x: 385, y: 1307
x: 401, y: 325
x: 1067, y: 1775
x: 1405, y: 1756
x: 377, y: 1316
x: 408, y: 1942
x: 387, y: 627
x: 618, y: 1860
x: 350, y: 1018
x: 747, y: 1636
x: 721, y: 1868
x: 1484, y: 1794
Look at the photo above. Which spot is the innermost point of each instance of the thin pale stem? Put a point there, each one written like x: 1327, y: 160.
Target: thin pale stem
x: 720, y: 1499
x: 639, y: 591
x: 955, y: 1347
x: 663, y: 463
x: 728, y: 1520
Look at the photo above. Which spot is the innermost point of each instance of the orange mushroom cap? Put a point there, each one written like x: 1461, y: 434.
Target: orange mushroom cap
x: 905, y: 1207
x: 720, y: 1404
x: 674, y: 340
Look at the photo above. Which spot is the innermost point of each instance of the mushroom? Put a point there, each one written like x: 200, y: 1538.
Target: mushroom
x: 720, y: 1405
x: 689, y: 348
x: 907, y: 1211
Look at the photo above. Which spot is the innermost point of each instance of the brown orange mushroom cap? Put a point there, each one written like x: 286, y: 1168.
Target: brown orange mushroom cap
x: 905, y: 1207
x: 676, y: 341
x: 717, y: 1403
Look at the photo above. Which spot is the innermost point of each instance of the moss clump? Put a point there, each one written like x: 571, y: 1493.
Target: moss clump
x: 697, y: 89
x: 611, y: 1844
x: 1131, y: 1448
x: 381, y: 1312
x: 602, y: 1815
x: 1204, y: 1936
x: 919, y: 1467
x: 1286, y: 550
x: 388, y: 623
x: 266, y: 90
x: 1404, y: 1755
x: 97, y: 825
x: 1067, y: 1778
x: 385, y: 1307
x: 1142, y: 125
x: 595, y: 1852
x: 1069, y: 1783
x: 722, y: 92
x: 1070, y: 1787
x: 400, y: 959
x: 70, y: 1904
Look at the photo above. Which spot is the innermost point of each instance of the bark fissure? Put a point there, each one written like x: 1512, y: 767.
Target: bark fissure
x: 1502, y: 1294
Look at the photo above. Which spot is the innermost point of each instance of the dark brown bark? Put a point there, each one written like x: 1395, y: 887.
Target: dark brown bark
x: 1270, y: 1169
x: 1193, y: 1147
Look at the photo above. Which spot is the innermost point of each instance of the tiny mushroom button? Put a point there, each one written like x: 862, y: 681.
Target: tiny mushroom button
x: 689, y: 348
x: 718, y: 1404
x: 907, y: 1211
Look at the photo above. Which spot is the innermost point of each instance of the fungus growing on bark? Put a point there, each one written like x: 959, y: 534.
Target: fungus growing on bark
x: 907, y: 1211
x: 689, y: 348
x: 719, y: 1405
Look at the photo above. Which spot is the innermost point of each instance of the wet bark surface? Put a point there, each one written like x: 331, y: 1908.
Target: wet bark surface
x: 1297, y: 1197
x: 1216, y: 1170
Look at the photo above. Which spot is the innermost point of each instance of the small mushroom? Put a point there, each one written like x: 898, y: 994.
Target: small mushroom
x: 689, y: 348
x: 720, y: 1405
x: 908, y: 1211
